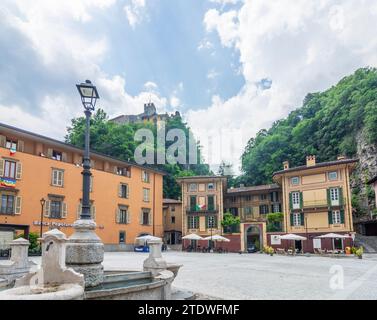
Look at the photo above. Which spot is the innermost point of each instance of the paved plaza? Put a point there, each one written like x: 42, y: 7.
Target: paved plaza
x: 259, y: 276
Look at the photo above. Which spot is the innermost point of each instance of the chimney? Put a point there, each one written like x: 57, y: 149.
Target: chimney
x: 242, y: 185
x: 286, y: 165
x: 341, y: 157
x: 310, y: 161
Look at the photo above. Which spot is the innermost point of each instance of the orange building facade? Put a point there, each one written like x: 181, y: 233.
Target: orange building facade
x: 126, y: 198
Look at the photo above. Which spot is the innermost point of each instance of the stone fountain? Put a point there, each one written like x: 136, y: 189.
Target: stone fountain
x: 153, y: 283
x: 53, y: 280
x: 18, y: 265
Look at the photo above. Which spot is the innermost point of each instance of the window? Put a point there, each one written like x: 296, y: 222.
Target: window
x: 123, y: 171
x: 297, y: 219
x: 334, y: 196
x: 211, y: 222
x: 193, y: 222
x: 296, y: 200
x: 274, y: 196
x: 145, y: 176
x: 211, y: 186
x: 192, y: 187
x: 123, y: 215
x: 172, y: 220
x: 172, y: 209
x: 10, y: 169
x: 57, y: 177
x: 211, y: 203
x: 333, y: 175
x: 12, y: 145
x: 55, y: 209
x: 276, y: 208
x: 123, y: 191
x: 146, y: 217
x: 233, y: 199
x: 336, y: 217
x: 146, y: 194
x: 263, y: 209
x: 7, y: 204
x: 122, y: 236
x: 248, y: 198
x: 295, y: 181
x: 192, y: 203
x: 57, y: 155
x: 263, y: 197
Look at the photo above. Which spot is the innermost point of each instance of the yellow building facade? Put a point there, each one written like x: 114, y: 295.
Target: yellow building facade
x: 317, y: 198
x: 126, y: 198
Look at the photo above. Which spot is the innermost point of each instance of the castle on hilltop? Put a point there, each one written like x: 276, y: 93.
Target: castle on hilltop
x: 149, y: 115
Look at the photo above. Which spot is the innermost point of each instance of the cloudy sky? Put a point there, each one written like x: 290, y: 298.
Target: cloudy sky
x: 231, y: 67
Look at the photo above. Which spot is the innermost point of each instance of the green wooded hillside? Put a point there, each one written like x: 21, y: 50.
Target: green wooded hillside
x: 326, y: 125
x: 118, y: 141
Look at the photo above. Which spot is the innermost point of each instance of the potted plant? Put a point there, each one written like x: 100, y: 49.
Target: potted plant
x: 359, y: 252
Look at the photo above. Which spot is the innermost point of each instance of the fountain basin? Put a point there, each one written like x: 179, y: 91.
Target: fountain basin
x: 61, y: 292
x: 129, y: 285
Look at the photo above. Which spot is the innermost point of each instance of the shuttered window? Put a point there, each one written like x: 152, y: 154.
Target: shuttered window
x: 123, y: 191
x: 7, y: 204
x: 9, y: 169
x: 193, y: 222
x: 122, y: 215
x: 57, y: 178
x: 297, y: 219
x: 146, y: 193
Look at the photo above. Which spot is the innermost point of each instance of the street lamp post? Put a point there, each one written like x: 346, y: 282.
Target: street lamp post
x: 89, y: 96
x: 42, y: 201
x: 85, y: 250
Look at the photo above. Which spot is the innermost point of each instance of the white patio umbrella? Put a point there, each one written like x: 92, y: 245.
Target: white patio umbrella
x: 293, y: 237
x: 148, y: 238
x: 334, y: 236
x: 192, y: 236
x: 217, y: 237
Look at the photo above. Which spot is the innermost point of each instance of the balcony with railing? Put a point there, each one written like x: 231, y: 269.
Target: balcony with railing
x: 204, y: 209
x: 322, y: 203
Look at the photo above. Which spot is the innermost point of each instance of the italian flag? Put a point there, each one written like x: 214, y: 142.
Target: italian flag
x: 200, y: 207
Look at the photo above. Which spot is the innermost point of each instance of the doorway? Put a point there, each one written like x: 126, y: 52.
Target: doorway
x: 253, y: 238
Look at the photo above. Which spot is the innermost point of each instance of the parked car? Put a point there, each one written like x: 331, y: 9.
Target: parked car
x: 252, y: 249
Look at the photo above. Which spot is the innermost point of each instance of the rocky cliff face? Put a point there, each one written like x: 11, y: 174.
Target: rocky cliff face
x: 367, y: 169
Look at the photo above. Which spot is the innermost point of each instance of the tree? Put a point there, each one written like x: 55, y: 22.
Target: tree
x: 117, y: 140
x: 325, y: 125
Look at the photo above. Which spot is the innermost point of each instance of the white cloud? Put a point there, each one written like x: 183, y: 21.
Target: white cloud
x: 302, y: 46
x: 175, y: 102
x: 212, y: 74
x: 150, y: 85
x: 205, y: 44
x: 69, y: 53
x: 135, y: 12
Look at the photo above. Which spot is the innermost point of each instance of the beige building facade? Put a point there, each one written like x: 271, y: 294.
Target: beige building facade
x: 202, y: 204
x: 172, y: 213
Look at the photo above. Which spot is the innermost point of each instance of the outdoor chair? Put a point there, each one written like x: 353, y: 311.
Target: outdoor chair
x: 280, y: 251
